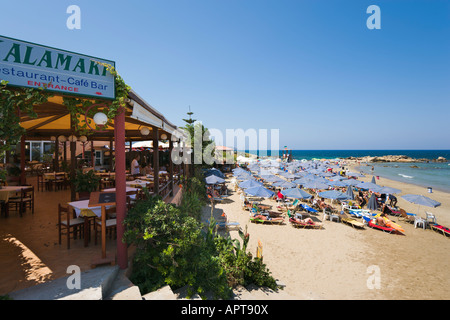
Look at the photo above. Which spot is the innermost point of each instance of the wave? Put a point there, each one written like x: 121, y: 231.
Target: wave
x: 405, y: 176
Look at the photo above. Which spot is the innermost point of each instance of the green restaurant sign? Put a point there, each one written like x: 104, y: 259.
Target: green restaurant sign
x: 31, y: 65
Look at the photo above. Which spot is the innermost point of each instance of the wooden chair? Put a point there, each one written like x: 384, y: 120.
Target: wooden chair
x: 42, y: 183
x: 71, y: 224
x: 26, y: 199
x: 111, y: 223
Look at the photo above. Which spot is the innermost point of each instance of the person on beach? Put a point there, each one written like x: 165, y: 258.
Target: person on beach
x: 307, y: 221
x: 280, y: 196
x: 392, y: 200
x: 385, y: 209
x: 266, y: 218
x: 381, y: 221
x: 323, y: 205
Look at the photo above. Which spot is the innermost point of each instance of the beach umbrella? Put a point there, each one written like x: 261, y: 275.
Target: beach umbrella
x: 354, y: 174
x: 337, y: 183
x: 259, y: 192
x: 388, y: 190
x: 350, y: 182
x: 214, y: 171
x: 296, y: 193
x: 250, y: 184
x: 287, y: 175
x: 213, y: 179
x: 372, y: 204
x: 367, y: 185
x: 421, y: 200
x: 349, y: 193
x: 313, y: 184
x: 284, y: 184
x: 271, y: 178
x: 334, y: 195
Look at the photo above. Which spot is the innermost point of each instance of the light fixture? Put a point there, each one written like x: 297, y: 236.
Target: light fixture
x: 73, y: 138
x: 83, y: 139
x: 53, y: 138
x: 100, y: 119
x: 145, y: 131
x: 62, y: 139
x: 164, y: 136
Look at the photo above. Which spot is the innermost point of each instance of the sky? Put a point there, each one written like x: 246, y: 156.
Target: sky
x: 311, y: 69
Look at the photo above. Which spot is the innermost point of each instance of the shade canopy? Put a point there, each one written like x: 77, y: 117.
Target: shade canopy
x: 212, y: 179
x: 334, y: 195
x: 296, y: 193
x: 259, y: 192
x: 421, y: 200
x: 372, y: 204
x: 53, y: 119
x: 250, y: 184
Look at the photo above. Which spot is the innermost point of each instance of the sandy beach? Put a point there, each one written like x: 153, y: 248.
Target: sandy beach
x: 341, y: 262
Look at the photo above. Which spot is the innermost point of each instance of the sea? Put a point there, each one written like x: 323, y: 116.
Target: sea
x: 434, y: 175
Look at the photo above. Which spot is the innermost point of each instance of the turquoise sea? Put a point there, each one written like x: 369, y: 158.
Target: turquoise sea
x: 432, y: 174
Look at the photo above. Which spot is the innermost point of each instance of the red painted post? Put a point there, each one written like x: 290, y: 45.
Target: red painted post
x: 121, y: 195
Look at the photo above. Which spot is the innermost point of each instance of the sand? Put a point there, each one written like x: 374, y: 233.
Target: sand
x: 340, y: 262
x: 332, y: 263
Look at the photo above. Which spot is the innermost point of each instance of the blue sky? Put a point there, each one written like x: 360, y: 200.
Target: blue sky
x: 311, y: 69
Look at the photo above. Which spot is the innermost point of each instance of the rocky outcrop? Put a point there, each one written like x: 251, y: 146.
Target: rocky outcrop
x: 394, y: 158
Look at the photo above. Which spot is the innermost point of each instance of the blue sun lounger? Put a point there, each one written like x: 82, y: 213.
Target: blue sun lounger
x: 308, y: 208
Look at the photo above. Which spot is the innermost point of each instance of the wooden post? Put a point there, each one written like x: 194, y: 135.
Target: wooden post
x: 73, y: 164
x: 22, y: 161
x: 56, y: 164
x: 171, y: 167
x: 156, y: 161
x: 121, y: 194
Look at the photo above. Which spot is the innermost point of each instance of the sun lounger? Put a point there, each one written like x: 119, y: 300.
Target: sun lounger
x: 359, y: 213
x: 439, y: 228
x: 350, y: 221
x: 297, y: 224
x: 375, y: 226
x: 275, y: 214
x: 308, y: 208
x: 266, y: 220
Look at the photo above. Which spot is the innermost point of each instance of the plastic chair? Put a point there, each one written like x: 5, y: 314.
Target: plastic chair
x: 419, y: 222
x: 430, y: 217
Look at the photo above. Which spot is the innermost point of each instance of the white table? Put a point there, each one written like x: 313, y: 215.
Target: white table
x: 138, y: 182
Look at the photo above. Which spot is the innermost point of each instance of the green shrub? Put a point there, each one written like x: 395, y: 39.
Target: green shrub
x: 171, y: 249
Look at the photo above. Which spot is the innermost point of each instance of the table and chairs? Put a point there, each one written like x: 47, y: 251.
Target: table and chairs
x: 91, y: 215
x: 17, y: 197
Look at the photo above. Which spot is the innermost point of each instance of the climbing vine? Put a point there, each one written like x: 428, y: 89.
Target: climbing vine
x: 82, y: 108
x: 16, y: 102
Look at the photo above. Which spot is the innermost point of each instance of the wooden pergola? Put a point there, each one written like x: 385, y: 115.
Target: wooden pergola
x: 54, y: 120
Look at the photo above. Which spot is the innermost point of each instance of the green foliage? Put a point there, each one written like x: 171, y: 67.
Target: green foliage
x: 16, y: 102
x: 194, y: 195
x: 85, y: 182
x: 240, y: 266
x: 171, y: 249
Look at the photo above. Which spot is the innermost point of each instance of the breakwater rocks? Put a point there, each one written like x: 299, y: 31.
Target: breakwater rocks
x: 394, y: 158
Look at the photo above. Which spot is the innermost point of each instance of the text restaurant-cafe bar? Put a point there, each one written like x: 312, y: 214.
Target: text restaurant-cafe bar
x: 68, y: 74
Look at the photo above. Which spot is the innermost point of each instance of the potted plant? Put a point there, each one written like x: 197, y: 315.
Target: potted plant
x: 85, y: 183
